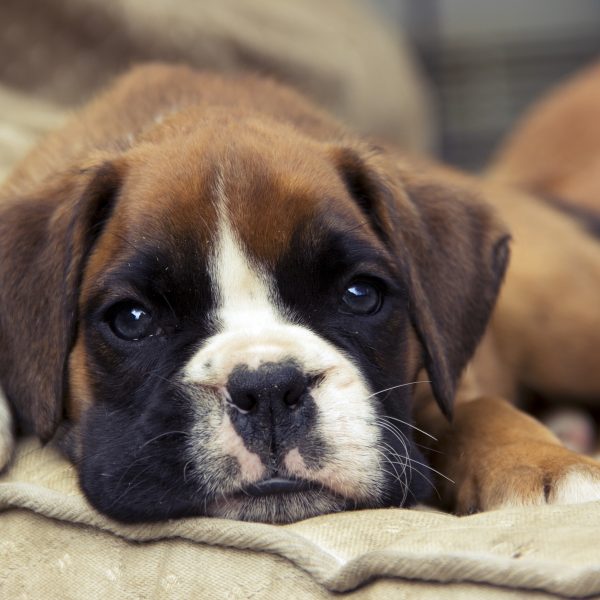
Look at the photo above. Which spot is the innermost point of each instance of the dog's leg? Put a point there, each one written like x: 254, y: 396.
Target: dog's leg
x: 497, y: 456
x: 7, y: 439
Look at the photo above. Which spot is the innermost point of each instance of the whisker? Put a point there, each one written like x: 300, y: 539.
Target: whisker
x: 395, y: 432
x: 124, y: 239
x: 135, y: 482
x: 402, y: 461
x: 153, y: 374
x: 416, y: 462
x: 162, y: 435
x: 429, y: 449
x: 185, y: 467
x: 409, y: 425
x: 394, y: 387
x: 408, y: 463
x: 393, y: 463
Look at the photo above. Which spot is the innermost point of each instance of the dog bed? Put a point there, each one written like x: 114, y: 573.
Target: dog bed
x: 54, y: 545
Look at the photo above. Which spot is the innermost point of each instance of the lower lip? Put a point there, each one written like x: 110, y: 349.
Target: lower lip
x: 278, y: 485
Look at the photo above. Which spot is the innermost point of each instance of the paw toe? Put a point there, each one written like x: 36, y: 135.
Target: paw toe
x: 579, y: 484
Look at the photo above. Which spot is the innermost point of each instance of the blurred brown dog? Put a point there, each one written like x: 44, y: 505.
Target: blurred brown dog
x: 555, y: 150
x: 555, y: 155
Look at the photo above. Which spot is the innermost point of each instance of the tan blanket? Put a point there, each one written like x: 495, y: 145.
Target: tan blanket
x: 54, y: 545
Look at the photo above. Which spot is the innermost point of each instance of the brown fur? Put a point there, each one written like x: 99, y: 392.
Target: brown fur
x: 495, y: 456
x: 555, y: 150
x: 549, y: 303
x: 61, y: 228
x: 545, y: 331
x: 551, y: 298
x: 48, y: 195
x: 103, y: 158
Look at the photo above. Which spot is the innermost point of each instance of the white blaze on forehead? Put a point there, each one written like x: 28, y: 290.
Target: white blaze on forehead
x: 242, y: 290
x: 253, y: 330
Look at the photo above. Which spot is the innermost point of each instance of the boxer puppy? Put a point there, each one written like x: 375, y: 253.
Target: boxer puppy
x: 225, y: 299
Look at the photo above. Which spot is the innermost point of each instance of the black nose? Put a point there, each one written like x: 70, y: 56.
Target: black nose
x: 273, y: 383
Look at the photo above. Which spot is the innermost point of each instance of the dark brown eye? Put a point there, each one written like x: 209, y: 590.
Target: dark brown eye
x: 131, y: 322
x: 361, y: 298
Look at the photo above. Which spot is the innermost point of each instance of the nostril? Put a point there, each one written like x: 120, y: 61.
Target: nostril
x: 272, y: 384
x: 292, y: 396
x: 245, y: 402
x: 242, y: 400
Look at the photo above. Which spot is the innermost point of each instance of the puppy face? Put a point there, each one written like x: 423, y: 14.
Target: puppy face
x: 242, y: 311
x: 238, y: 349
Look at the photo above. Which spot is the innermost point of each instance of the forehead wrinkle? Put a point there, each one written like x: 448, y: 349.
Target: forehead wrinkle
x: 268, y: 199
x: 166, y: 197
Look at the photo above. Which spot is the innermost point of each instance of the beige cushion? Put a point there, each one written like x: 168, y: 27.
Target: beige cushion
x: 335, y: 51
x: 54, y: 545
x: 22, y: 120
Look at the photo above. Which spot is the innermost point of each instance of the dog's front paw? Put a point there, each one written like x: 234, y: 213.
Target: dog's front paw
x: 7, y: 437
x: 495, y: 456
x: 528, y: 474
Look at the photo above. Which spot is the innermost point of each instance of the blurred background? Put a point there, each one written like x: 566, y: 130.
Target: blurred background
x: 447, y: 77
x: 488, y: 60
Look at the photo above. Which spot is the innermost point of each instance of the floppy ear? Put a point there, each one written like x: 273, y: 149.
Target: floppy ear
x: 45, y: 239
x: 451, y: 247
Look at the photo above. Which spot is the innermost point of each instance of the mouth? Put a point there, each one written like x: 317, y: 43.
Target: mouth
x: 279, y: 500
x: 280, y: 485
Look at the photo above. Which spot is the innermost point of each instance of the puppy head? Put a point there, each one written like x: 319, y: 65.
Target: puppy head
x: 230, y: 320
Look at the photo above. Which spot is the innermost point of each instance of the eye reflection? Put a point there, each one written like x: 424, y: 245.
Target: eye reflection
x: 131, y: 322
x: 361, y: 298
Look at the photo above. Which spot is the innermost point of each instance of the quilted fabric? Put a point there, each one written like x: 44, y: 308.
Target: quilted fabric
x: 53, y: 544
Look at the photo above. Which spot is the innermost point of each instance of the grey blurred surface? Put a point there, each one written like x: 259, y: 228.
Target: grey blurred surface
x: 489, y: 60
